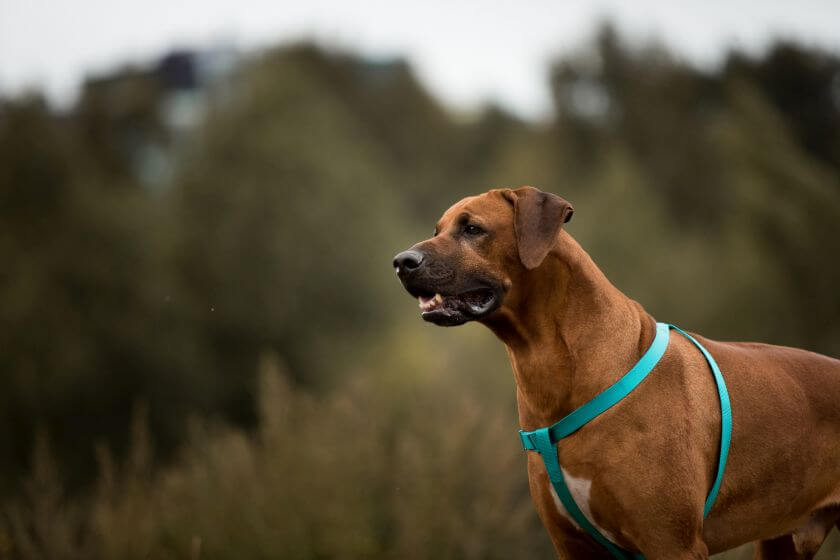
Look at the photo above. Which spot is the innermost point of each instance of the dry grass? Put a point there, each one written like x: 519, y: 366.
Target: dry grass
x: 359, y: 473
x: 350, y: 475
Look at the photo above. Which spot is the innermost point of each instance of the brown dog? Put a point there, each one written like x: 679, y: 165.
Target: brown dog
x: 640, y: 472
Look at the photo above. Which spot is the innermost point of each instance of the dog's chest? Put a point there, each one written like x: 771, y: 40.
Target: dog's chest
x: 581, y: 491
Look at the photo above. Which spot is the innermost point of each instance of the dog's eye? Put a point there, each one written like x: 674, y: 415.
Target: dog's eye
x: 470, y: 229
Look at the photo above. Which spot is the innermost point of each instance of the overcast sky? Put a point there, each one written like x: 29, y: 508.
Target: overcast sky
x: 465, y: 51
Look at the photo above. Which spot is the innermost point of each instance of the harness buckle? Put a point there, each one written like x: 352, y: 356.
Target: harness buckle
x: 527, y: 438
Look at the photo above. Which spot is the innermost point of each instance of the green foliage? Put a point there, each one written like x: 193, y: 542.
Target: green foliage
x: 146, y: 262
x: 342, y: 476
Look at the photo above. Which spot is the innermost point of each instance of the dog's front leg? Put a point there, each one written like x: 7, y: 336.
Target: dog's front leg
x: 677, y: 538
x: 697, y: 550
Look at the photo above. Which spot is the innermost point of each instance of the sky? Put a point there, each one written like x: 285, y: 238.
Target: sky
x: 466, y: 52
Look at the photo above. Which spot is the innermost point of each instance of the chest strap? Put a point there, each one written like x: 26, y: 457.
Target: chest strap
x: 544, y: 440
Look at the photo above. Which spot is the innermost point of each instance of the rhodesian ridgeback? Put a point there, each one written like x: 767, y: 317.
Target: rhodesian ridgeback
x: 639, y: 472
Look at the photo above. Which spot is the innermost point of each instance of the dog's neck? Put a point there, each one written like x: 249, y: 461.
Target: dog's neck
x: 573, y: 312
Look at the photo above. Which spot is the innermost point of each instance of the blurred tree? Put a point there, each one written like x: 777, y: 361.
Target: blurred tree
x: 119, y: 118
x: 804, y: 87
x: 85, y: 320
x: 728, y: 154
x: 285, y: 207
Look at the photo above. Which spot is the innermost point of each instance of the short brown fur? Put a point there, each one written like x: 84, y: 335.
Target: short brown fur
x: 570, y: 334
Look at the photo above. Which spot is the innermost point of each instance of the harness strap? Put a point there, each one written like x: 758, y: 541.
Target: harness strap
x: 547, y: 449
x: 725, y: 420
x: 605, y: 400
x: 544, y: 440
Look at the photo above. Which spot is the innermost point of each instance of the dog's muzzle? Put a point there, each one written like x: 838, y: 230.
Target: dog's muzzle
x: 441, y: 299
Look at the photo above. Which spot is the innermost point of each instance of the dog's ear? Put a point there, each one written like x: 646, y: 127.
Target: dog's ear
x: 538, y: 216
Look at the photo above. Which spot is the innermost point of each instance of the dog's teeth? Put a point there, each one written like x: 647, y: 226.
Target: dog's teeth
x: 438, y: 298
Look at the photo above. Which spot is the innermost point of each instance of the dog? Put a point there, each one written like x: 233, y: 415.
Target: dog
x: 640, y: 472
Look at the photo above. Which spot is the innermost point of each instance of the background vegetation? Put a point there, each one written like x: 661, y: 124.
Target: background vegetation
x: 205, y: 353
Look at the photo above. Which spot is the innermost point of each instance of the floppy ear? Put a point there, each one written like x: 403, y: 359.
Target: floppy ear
x: 538, y: 216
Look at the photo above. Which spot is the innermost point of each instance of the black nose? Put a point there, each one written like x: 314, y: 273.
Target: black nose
x: 408, y: 261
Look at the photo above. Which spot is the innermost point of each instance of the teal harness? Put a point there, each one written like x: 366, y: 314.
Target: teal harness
x: 544, y: 440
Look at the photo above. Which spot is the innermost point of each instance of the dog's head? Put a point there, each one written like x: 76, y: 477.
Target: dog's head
x: 482, y: 245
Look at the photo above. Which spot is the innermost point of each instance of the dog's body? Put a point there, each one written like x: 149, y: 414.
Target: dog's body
x: 641, y: 471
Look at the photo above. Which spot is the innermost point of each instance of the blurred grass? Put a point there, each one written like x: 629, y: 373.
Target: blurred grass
x: 434, y: 473
x: 357, y: 473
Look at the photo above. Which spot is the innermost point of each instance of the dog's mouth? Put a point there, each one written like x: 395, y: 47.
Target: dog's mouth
x: 455, y: 309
